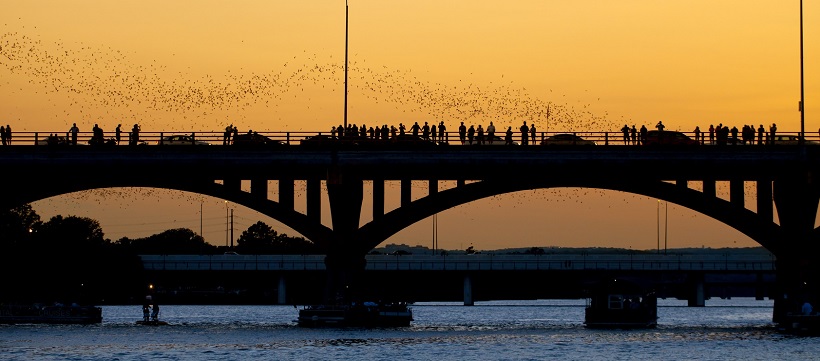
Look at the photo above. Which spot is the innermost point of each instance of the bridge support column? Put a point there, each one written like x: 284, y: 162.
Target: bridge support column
x: 286, y: 190
x: 798, y: 273
x: 314, y: 200
x: 697, y: 293
x: 281, y: 291
x: 259, y: 188
x: 378, y: 198
x: 406, y: 189
x: 764, y: 199
x: 737, y: 196
x: 345, y: 259
x: 468, y: 291
x: 709, y: 189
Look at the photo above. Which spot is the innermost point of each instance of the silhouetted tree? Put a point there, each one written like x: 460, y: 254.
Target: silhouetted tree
x: 172, y: 241
x: 260, y: 238
x: 16, y: 225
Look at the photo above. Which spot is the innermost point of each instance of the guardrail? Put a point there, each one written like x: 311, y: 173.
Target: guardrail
x: 294, y: 138
x: 476, y: 262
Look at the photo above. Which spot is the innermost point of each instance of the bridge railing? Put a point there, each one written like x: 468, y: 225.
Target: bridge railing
x: 479, y: 262
x: 296, y: 137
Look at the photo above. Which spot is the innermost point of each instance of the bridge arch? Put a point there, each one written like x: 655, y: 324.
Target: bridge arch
x: 741, y: 219
x: 316, y: 232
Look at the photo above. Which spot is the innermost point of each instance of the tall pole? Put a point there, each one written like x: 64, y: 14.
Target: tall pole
x: 665, y: 226
x: 659, y: 225
x: 802, y: 91
x: 227, y: 223
x: 346, y: 21
x: 231, y: 228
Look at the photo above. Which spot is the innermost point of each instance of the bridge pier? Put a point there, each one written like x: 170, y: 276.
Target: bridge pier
x: 468, y: 291
x: 281, y: 291
x: 697, y: 291
x: 344, y: 260
x: 798, y: 274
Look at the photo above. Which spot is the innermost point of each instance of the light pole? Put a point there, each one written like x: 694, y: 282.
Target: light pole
x: 802, y: 91
x: 346, y: 21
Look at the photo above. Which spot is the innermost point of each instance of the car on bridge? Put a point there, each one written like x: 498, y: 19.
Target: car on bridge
x: 566, y: 139
x: 792, y: 140
x: 668, y: 137
x: 181, y: 139
x: 497, y: 140
x: 255, y: 139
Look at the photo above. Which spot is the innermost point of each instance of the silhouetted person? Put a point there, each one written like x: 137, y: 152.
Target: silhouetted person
x: 415, y: 129
x: 462, y: 133
x: 644, y: 133
x: 490, y: 132
x: 660, y: 126
x: 155, y: 311
x: 135, y: 134
x: 74, y: 130
x: 433, y: 132
x: 734, y: 136
x: 401, y: 129
x: 480, y: 135
x: 634, y: 132
x: 8, y: 134
x: 508, y: 137
x: 442, y: 134
x: 772, y: 133
x: 625, y: 130
x: 760, y: 131
x: 226, y: 137
x: 118, y: 133
x: 697, y: 134
x: 3, y: 134
x: 524, y: 133
x: 470, y: 135
x: 532, y: 134
x: 425, y: 131
x: 711, y: 134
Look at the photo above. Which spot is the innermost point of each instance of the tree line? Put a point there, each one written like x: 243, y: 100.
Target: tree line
x: 68, y: 259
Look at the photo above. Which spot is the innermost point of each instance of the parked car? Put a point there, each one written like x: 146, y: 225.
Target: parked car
x: 792, y: 140
x: 255, y: 140
x: 566, y: 139
x: 181, y: 139
x: 668, y: 137
x: 497, y: 140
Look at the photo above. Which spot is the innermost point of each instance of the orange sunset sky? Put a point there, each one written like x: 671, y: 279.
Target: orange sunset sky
x: 278, y: 66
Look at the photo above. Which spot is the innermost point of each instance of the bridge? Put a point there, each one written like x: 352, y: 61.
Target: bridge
x: 478, y: 277
x: 783, y: 175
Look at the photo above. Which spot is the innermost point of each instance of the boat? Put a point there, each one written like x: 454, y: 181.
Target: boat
x: 50, y: 314
x: 367, y: 314
x: 621, y: 305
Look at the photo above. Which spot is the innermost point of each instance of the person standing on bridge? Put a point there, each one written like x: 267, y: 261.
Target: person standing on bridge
x: 524, y: 133
x: 634, y: 133
x: 772, y: 132
x: 3, y: 134
x: 644, y: 132
x: 697, y: 134
x: 480, y: 133
x: 490, y: 133
x: 470, y: 135
x: 74, y: 130
x: 118, y: 133
x: 508, y: 137
x: 135, y: 134
x: 226, y: 137
x: 462, y: 133
x: 442, y: 134
x: 433, y: 132
x: 625, y: 130
x: 532, y: 134
x: 660, y: 126
x: 8, y: 134
x: 415, y: 129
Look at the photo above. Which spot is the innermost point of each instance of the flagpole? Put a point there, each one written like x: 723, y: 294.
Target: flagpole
x: 346, y: 22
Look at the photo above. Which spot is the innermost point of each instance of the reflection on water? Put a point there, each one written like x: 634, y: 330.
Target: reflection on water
x: 734, y: 329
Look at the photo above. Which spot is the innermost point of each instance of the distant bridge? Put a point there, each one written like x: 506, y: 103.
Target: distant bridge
x: 487, y: 276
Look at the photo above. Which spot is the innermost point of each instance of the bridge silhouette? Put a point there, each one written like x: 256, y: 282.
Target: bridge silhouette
x: 784, y: 178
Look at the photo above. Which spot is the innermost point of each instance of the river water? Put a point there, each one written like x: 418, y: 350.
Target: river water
x: 736, y: 329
